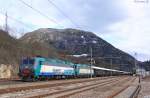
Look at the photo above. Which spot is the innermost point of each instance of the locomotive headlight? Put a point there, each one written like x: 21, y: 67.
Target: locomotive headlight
x: 26, y: 67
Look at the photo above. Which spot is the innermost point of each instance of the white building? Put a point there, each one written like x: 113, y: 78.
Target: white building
x: 142, y: 72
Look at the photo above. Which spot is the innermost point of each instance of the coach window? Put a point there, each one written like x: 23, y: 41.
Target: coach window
x: 40, y: 62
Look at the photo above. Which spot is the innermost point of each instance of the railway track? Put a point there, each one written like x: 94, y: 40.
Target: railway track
x: 55, y: 87
x: 65, y: 88
x: 71, y: 93
x: 120, y: 90
x: 12, y: 81
x: 8, y: 79
x: 130, y: 90
x: 40, y: 85
x: 136, y: 92
x: 67, y: 92
x: 108, y: 83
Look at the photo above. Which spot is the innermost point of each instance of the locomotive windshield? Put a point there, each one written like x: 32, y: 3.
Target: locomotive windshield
x: 28, y: 61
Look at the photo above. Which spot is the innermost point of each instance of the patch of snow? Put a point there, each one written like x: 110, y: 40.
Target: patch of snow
x: 84, y: 42
x: 82, y: 36
x: 82, y: 55
x: 94, y: 41
x: 29, y: 38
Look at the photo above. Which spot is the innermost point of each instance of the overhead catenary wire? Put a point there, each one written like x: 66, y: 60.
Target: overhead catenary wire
x: 42, y: 14
x: 63, y: 13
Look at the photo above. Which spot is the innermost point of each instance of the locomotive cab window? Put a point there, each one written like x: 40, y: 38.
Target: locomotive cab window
x: 28, y: 61
x: 40, y: 62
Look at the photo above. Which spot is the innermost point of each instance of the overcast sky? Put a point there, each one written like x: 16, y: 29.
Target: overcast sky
x: 123, y: 23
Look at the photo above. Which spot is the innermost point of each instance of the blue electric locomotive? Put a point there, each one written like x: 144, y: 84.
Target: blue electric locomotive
x: 46, y: 68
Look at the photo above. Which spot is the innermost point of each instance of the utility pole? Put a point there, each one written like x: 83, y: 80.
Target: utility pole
x: 6, y: 22
x: 91, y: 60
x: 111, y: 65
x: 136, y: 69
